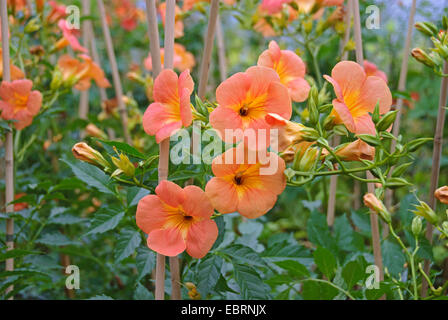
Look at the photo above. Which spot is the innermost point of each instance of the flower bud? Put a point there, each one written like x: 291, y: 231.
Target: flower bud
x: 442, y: 194
x: 305, y: 157
x: 32, y: 26
x: 124, y: 165
x: 309, y: 134
x: 377, y: 206
x: 423, y: 57
x: 82, y: 151
x: 386, y: 121
x: 416, y: 226
x: 426, y: 28
x: 94, y: 131
x: 423, y: 210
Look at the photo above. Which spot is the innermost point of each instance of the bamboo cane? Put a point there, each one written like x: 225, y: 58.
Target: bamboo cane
x: 164, y: 146
x: 115, y: 73
x: 220, y: 43
x: 399, y: 107
x: 370, y: 186
x: 168, y: 64
x: 436, y: 157
x: 83, y: 108
x: 331, y: 208
x: 9, y: 154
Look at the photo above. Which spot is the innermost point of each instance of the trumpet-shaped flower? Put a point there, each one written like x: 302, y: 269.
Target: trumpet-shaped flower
x: 177, y: 219
x: 354, y: 151
x: 58, y: 12
x: 16, y: 72
x: 18, y: 102
x: 442, y: 194
x: 182, y: 59
x: 242, y: 185
x: 171, y: 109
x: 289, y: 67
x: 69, y: 37
x: 356, y: 95
x: 82, y: 72
x: 372, y: 70
x: 245, y: 99
x: 289, y: 133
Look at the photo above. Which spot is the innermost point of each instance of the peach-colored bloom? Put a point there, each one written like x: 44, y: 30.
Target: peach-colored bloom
x: 127, y: 13
x: 16, y: 72
x: 171, y: 109
x: 372, y: 70
x: 21, y: 205
x: 241, y: 185
x: 69, y: 37
x: 356, y: 95
x: 177, y: 219
x: 273, y: 6
x: 289, y: 67
x: 245, y: 99
x: 18, y: 102
x: 82, y: 72
x: 178, y: 23
x: 442, y: 194
x: 289, y: 133
x: 58, y: 12
x: 182, y: 59
x: 354, y: 151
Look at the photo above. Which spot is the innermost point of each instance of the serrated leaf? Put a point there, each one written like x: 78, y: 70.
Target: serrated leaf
x: 55, y: 239
x: 125, y: 148
x: 145, y: 261
x: 352, y: 273
x: 393, y: 258
x: 220, y: 223
x: 141, y: 293
x: 312, y: 290
x: 325, y: 261
x: 250, y: 283
x: 127, y: 242
x: 104, y: 220
x: 294, y: 268
x: 16, y: 253
x: 135, y: 194
x: 209, y: 270
x: 91, y: 176
x: 244, y: 254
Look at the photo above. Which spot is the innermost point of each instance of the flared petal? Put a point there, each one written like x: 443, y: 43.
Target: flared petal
x: 197, y: 204
x: 168, y: 242
x: 201, y: 237
x: 151, y: 213
x: 375, y: 90
x: 166, y: 87
x: 170, y: 193
x: 223, y: 195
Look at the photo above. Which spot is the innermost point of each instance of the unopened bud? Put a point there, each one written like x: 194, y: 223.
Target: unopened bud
x: 124, y: 165
x: 416, y: 226
x: 377, y: 206
x: 82, y: 151
x: 425, y: 211
x: 422, y: 57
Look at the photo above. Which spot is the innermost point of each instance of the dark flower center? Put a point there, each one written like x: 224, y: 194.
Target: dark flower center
x: 244, y: 111
x: 188, y: 218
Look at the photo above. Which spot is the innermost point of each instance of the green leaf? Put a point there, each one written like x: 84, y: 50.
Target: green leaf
x: 91, y: 176
x: 55, y: 239
x: 393, y: 258
x: 66, y: 219
x: 294, y: 268
x: 221, y: 231
x: 145, y: 261
x: 221, y: 285
x: 318, y: 232
x: 325, y: 261
x: 250, y: 283
x: 16, y: 253
x: 141, y: 293
x: 100, y: 297
x: 312, y: 290
x: 244, y: 254
x: 352, y: 273
x: 127, y: 242
x: 125, y: 148
x: 134, y: 195
x: 208, y: 272
x: 104, y: 220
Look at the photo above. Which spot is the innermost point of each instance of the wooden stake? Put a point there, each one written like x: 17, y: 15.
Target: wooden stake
x: 331, y: 207
x: 83, y: 109
x: 370, y: 186
x: 9, y: 154
x: 401, y: 87
x: 115, y: 74
x: 220, y: 43
x: 436, y: 157
x: 208, y: 48
x: 164, y: 146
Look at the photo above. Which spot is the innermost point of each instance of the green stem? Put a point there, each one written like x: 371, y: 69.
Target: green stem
x: 331, y: 284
